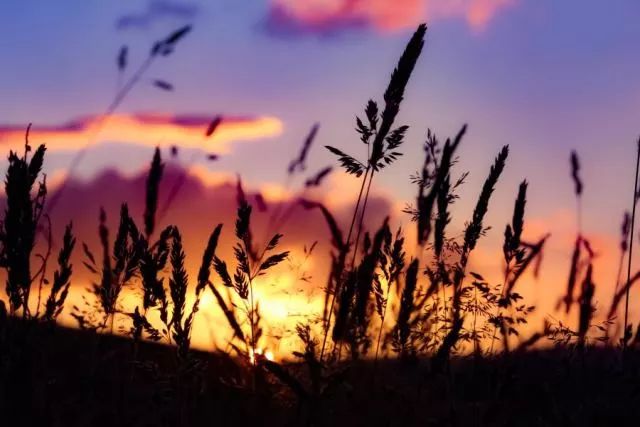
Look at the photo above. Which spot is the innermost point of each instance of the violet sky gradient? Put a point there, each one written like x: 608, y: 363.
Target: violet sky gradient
x: 544, y: 76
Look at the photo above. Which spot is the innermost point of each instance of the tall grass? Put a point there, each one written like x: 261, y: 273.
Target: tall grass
x: 633, y: 220
x: 381, y: 150
x: 25, y: 202
x: 438, y: 306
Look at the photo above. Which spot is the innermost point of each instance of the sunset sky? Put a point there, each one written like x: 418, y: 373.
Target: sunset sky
x: 544, y: 76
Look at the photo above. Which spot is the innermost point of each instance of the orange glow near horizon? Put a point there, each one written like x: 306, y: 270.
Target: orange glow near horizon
x: 284, y: 302
x: 283, y: 297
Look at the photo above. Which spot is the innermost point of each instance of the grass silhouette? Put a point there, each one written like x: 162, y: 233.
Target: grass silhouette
x: 406, y: 337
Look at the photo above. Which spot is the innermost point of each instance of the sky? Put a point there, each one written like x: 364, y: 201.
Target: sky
x: 544, y: 76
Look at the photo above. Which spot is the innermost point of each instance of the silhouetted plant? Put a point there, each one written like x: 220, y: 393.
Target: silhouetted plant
x: 182, y: 323
x: 25, y: 198
x: 180, y: 181
x: 61, y: 278
x: 633, y: 220
x: 382, y: 144
x: 249, y: 265
x: 473, y: 231
x: 392, y: 263
x: 624, y: 246
x: 116, y: 270
x: 316, y: 385
x: 160, y: 48
x: 441, y: 309
x: 431, y: 179
x: 517, y: 257
x: 402, y: 332
x: 20, y: 224
x: 153, y: 183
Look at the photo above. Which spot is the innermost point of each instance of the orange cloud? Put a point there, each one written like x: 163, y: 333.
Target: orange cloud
x: 146, y: 129
x: 383, y: 15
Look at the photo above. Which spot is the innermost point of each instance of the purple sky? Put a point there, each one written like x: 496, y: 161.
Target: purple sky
x: 541, y: 75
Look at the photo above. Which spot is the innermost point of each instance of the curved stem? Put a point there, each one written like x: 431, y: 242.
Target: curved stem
x: 251, y: 316
x: 364, y: 208
x: 115, y: 103
x: 384, y: 313
x: 507, y: 272
x: 348, y: 241
x: 633, y: 220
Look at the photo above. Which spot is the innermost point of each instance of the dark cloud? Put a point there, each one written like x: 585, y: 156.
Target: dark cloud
x: 196, y: 209
x: 158, y: 10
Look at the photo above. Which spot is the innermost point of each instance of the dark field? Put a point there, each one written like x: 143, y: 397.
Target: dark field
x: 75, y: 378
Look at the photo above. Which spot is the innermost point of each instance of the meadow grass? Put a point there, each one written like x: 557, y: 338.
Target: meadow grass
x: 415, y: 337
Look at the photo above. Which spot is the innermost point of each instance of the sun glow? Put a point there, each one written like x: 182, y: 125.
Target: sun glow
x: 261, y: 352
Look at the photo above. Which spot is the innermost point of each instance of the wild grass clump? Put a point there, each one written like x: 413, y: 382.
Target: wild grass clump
x: 24, y: 220
x: 440, y: 333
x: 383, y: 142
x: 250, y: 263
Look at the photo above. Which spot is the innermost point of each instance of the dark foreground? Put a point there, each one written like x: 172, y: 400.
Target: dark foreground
x: 64, y: 377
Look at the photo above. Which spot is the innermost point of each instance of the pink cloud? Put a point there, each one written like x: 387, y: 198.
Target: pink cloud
x: 327, y: 16
x: 477, y: 13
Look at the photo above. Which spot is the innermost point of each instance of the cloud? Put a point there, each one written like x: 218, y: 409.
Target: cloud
x: 477, y: 13
x: 163, y: 130
x: 157, y: 10
x: 286, y: 17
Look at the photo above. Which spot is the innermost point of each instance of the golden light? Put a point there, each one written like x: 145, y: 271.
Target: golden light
x: 267, y: 354
x: 146, y: 129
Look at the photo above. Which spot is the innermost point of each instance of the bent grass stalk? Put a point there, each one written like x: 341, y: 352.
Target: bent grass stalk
x: 633, y: 219
x: 160, y: 48
x: 337, y: 288
x: 381, y: 155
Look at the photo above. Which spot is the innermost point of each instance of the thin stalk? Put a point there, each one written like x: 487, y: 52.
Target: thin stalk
x: 504, y: 286
x: 384, y: 313
x: 115, y: 103
x: 178, y: 184
x: 43, y: 268
x: 444, y: 303
x: 253, y: 340
x: 633, y: 220
x: 348, y: 241
x: 285, y: 215
x: 475, y: 317
x: 620, y: 267
x: 355, y: 213
x: 277, y: 215
x: 623, y: 253
x: 360, y: 223
x: 112, y: 324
